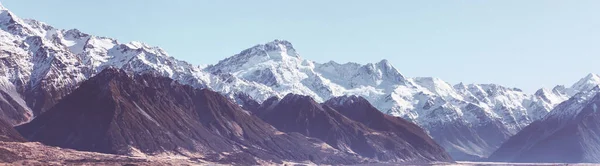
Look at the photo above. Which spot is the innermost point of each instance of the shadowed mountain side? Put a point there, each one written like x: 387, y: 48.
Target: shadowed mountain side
x: 118, y: 113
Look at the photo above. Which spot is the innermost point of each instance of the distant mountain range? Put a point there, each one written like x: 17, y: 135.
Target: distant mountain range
x: 70, y: 89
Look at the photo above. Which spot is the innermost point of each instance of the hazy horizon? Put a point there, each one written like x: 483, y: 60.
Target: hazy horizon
x: 527, y: 45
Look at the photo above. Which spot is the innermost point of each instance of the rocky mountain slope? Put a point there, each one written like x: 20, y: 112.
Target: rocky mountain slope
x: 297, y: 113
x: 118, y: 113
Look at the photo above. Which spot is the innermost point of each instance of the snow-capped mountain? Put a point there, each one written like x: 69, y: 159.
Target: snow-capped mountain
x: 489, y: 113
x: 38, y: 65
x: 44, y: 64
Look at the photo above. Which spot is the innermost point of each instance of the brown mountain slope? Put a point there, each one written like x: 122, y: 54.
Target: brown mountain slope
x: 118, y: 113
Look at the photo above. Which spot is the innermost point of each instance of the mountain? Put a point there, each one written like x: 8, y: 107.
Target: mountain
x: 568, y: 134
x: 297, y: 113
x: 42, y: 64
x: 119, y: 113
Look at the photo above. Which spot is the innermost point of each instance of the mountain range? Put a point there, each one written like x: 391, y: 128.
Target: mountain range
x: 47, y: 74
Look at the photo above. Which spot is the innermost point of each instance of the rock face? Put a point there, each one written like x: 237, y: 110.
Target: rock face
x: 569, y: 134
x: 407, y: 143
x: 118, y: 113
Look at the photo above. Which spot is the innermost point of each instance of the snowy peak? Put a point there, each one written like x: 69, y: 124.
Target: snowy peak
x: 384, y: 64
x: 433, y: 84
x: 375, y: 74
x: 282, y: 46
x: 542, y: 92
x: 560, y: 89
x: 7, y: 18
x: 2, y: 7
x: 587, y: 83
x: 134, y: 45
x: 75, y: 34
x: 10, y: 23
x: 275, y: 52
x: 553, y: 96
x: 388, y: 70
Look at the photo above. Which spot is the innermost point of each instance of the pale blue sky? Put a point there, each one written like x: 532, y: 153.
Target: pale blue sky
x: 525, y: 44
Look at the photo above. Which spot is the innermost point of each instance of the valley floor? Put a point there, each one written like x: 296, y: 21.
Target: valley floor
x: 33, y: 153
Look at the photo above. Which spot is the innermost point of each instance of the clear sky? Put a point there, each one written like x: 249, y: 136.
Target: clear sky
x: 525, y: 44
